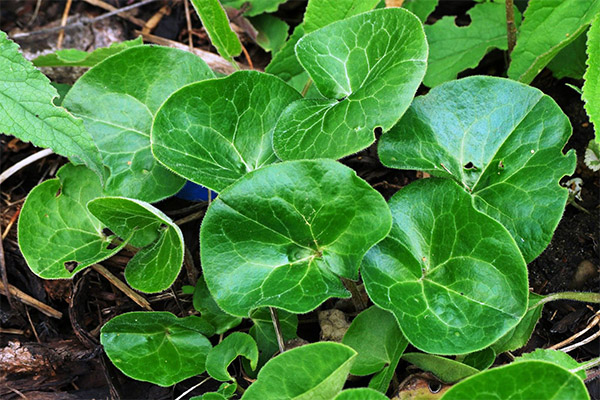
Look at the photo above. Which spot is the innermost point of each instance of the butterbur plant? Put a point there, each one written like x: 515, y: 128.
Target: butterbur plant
x: 443, y: 262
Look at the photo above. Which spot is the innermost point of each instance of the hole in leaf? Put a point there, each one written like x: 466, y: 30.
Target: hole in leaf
x: 434, y: 386
x: 58, y: 192
x: 107, y: 232
x: 342, y: 99
x: 377, y: 131
x: 71, y: 265
x: 163, y: 227
x: 470, y: 166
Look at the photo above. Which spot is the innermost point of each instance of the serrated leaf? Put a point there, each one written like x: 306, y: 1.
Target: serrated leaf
x: 223, y: 354
x: 591, y: 87
x: 174, y: 348
x: 453, y: 49
x: 156, y: 265
x: 254, y: 7
x: 118, y: 107
x: 215, y: 22
x: 360, y: 394
x: 28, y: 112
x: 447, y: 370
x: 548, y: 26
x: 554, y: 356
x: 282, y: 236
x: 421, y: 8
x: 520, y: 334
x: 272, y: 32
x: 368, y: 67
x: 570, y: 61
x: 500, y: 139
x: 80, y: 58
x: 57, y: 235
x: 320, y: 13
x: 264, y: 333
x: 216, y: 131
x: 320, y: 370
x: 210, y: 311
x: 538, y: 380
x: 453, y: 277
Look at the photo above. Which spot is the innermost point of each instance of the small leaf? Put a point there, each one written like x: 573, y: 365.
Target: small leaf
x: 320, y: 370
x: 216, y: 131
x: 282, y: 236
x: 272, y: 32
x: 500, y: 139
x: 368, y: 76
x: 57, y: 234
x: 482, y: 359
x: 79, y: 58
x: 452, y: 276
x: 548, y: 27
x: 28, y: 113
x: 360, y: 394
x: 117, y: 109
x: 554, y: 356
x: 155, y: 267
x: 421, y: 8
x: 538, y: 380
x: 210, y: 311
x: 264, y: 334
x: 447, y: 370
x: 570, y: 61
x: 223, y: 354
x: 216, y: 24
x: 157, y: 347
x: 320, y: 13
x: 254, y: 7
x: 518, y: 336
x: 456, y: 48
x: 591, y: 87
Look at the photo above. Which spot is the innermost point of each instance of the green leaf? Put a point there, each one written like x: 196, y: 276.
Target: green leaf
x: 360, y: 394
x: 57, y: 235
x: 264, y: 334
x: 216, y: 131
x: 28, y: 112
x: 447, y: 370
x: 520, y: 334
x: 210, y: 311
x: 482, y: 359
x: 283, y: 235
x: 421, y: 8
x: 157, y: 347
x: 570, y: 61
x: 62, y: 90
x: 548, y: 27
x: 272, y: 32
x: 538, y: 380
x: 376, y: 337
x: 285, y: 65
x: 319, y: 372
x: 254, y: 7
x: 500, y: 139
x: 368, y: 76
x: 80, y: 58
x: 320, y: 13
x: 454, y: 49
x: 216, y: 24
x: 223, y: 354
x: 452, y: 276
x: 117, y: 100
x: 554, y: 356
x: 155, y: 267
x: 591, y: 87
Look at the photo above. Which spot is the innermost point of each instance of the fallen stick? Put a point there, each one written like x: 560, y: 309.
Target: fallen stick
x: 30, y: 301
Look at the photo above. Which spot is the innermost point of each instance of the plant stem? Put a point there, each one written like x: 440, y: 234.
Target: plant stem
x: 587, y: 365
x: 23, y: 163
x: 306, y: 87
x: 357, y: 299
x: 586, y: 297
x: 511, y: 28
x: 277, y: 327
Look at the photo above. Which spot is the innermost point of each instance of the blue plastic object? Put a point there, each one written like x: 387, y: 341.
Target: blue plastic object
x: 194, y: 192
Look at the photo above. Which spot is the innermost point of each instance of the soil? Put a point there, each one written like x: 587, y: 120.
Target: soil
x: 42, y: 357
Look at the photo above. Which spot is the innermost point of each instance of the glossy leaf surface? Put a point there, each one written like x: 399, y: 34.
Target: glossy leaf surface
x: 520, y: 381
x: 283, y: 235
x: 421, y: 8
x: 210, y: 311
x: 156, y: 265
x: 157, y: 347
x: 118, y: 108
x: 80, y: 58
x: 520, y: 334
x: 217, y: 26
x: 447, y: 370
x: 591, y: 87
x: 500, y: 139
x: 482, y: 359
x: 452, y: 276
x: 272, y: 32
x: 320, y: 370
x: 223, y: 354
x: 320, y: 13
x: 554, y: 356
x: 216, y: 131
x: 368, y: 68
x: 570, y: 61
x: 360, y: 394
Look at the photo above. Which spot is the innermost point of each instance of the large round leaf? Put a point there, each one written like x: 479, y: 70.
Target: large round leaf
x: 368, y: 67
x: 157, y: 347
x: 117, y: 100
x: 216, y: 131
x: 502, y: 141
x: 453, y: 277
x: 282, y: 235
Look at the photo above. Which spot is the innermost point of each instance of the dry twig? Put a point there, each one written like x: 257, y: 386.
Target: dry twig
x: 30, y: 301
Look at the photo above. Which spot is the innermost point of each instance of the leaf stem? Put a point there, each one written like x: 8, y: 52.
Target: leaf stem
x: 594, y: 362
x: 511, y: 28
x: 306, y: 87
x: 586, y: 297
x: 277, y: 327
x: 23, y: 163
x: 357, y: 299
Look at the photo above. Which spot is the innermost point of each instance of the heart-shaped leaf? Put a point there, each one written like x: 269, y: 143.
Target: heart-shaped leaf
x: 216, y: 131
x: 445, y: 369
x: 57, y: 235
x: 210, y: 311
x: 360, y: 394
x: 282, y: 236
x: 223, y: 354
x: 320, y: 370
x: 264, y: 334
x: 538, y: 380
x: 155, y: 266
x: 174, y: 348
x: 452, y: 276
x: 118, y: 107
x: 500, y: 139
x: 368, y: 67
